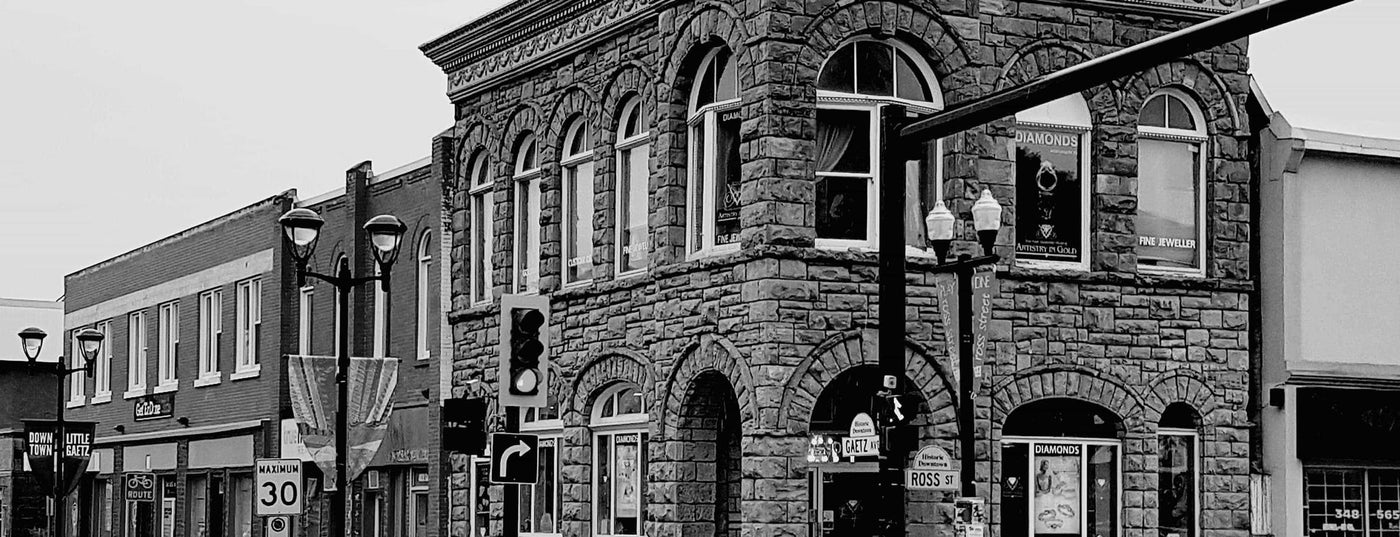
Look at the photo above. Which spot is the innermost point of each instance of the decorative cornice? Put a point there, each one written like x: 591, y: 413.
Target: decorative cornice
x: 1194, y: 9
x: 512, y: 37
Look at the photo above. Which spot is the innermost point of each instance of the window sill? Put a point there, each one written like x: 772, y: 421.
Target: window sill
x: 105, y: 397
x: 166, y: 388
x: 75, y: 403
x: 249, y: 373
x: 630, y: 274
x: 209, y: 380
x: 1181, y: 273
x: 1037, y: 264
x: 132, y: 394
x: 713, y: 251
x: 425, y: 356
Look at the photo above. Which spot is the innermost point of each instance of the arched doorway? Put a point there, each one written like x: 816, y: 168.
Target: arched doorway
x: 708, y: 426
x: 1061, y: 463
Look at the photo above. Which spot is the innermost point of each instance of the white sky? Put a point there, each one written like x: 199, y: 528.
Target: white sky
x: 124, y: 122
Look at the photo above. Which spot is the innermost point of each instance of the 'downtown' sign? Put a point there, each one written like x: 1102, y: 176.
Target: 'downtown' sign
x: 39, y: 447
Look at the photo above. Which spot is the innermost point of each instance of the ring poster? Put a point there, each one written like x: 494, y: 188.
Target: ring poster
x: 1058, y: 472
x: 1048, y: 194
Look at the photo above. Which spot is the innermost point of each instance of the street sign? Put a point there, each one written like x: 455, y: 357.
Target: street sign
x: 278, y: 487
x: 933, y: 470
x: 864, y: 440
x: 514, y: 458
x: 278, y: 526
x: 933, y: 458
x: 141, y: 487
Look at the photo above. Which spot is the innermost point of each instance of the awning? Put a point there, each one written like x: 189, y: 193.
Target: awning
x: 407, y: 438
x: 1360, y: 425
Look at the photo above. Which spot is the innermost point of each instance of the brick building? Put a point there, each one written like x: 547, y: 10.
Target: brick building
x: 692, y: 184
x: 27, y: 391
x: 197, y: 415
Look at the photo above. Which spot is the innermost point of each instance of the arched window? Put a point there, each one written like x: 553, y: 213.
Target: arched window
x: 483, y: 207
x: 578, y: 202
x: 541, y: 503
x: 527, y: 215
x: 1061, y: 469
x: 1052, y: 186
x: 619, y: 424
x: 1178, y: 480
x: 854, y: 82
x: 713, y: 188
x: 632, y: 188
x: 1171, y: 185
x: 424, y: 287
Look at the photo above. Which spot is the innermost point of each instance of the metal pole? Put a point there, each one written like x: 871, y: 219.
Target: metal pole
x: 510, y: 512
x: 966, y: 406
x: 891, y: 321
x: 342, y: 382
x: 58, y: 503
x: 1098, y: 71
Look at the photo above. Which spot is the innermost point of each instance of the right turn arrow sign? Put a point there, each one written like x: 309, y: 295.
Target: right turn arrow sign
x: 514, y: 458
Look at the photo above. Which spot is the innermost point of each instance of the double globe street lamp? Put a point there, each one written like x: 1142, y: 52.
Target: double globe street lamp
x: 302, y: 227
x: 89, y: 344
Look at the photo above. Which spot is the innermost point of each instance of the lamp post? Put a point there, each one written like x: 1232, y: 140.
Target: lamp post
x: 89, y: 343
x: 301, y: 228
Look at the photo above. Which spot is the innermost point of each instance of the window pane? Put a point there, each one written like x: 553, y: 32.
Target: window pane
x: 1168, y: 217
x: 242, y: 507
x: 1014, y: 500
x: 1383, y: 510
x: 527, y: 226
x: 1154, y: 113
x: 1178, y: 116
x: 604, y: 485
x: 634, y: 209
x: 1102, y: 510
x: 1049, y: 194
x: 841, y: 207
x: 727, y: 179
x: 545, y: 507
x: 627, y: 486
x: 527, y: 508
x: 705, y: 88
x: 697, y: 189
x: 728, y: 86
x: 629, y: 402
x: 579, y: 142
x: 910, y: 81
x: 875, y: 68
x: 1176, y: 485
x: 632, y: 123
x: 843, y: 141
x: 839, y: 72
x: 1335, y: 505
x: 580, y: 199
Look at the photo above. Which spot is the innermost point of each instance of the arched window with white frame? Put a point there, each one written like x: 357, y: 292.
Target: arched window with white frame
x: 712, y: 206
x: 1052, y: 184
x: 577, y: 164
x: 855, y: 81
x: 526, y: 179
x: 424, y: 291
x: 541, y: 504
x: 633, y: 173
x: 619, y: 425
x: 483, y: 206
x: 1171, y: 185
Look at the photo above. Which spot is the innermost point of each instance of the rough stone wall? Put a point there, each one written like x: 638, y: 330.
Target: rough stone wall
x: 780, y: 320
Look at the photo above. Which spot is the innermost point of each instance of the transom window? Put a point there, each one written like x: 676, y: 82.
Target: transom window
x: 578, y: 202
x: 854, y: 83
x: 619, y: 422
x: 527, y: 215
x: 1052, y: 190
x: 712, y: 215
x: 632, y: 175
x: 1171, y: 185
x: 482, y: 195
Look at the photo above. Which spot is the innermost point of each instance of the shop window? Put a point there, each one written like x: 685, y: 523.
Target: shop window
x: 854, y: 82
x: 1178, y: 479
x: 242, y: 505
x: 633, y: 174
x: 1061, y: 470
x: 1052, y: 186
x: 526, y: 179
x: 416, y: 503
x: 480, y: 496
x: 483, y: 206
x: 374, y: 504
x: 1171, y: 185
x: 712, y: 215
x: 577, y: 164
x: 619, y: 424
x: 1346, y: 502
x: 540, y: 503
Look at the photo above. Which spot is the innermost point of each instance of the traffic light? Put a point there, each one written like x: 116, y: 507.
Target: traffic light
x: 896, y: 415
x: 524, y: 351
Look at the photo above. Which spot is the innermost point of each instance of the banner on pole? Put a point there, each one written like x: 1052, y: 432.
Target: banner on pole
x: 946, y: 287
x: 983, y: 290
x: 39, y: 439
x: 313, y: 394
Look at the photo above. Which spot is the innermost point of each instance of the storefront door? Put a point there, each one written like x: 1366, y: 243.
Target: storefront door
x: 844, y: 499
x: 140, y: 519
x: 1060, y: 487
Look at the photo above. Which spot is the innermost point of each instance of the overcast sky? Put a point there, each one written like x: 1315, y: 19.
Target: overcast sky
x: 125, y: 122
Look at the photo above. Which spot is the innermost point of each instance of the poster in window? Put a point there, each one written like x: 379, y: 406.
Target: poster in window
x: 1168, y: 221
x: 627, y: 476
x: 1049, y: 194
x: 727, y: 179
x: 1058, y: 473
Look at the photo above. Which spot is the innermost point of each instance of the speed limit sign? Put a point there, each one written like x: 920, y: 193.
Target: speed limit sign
x: 278, y: 487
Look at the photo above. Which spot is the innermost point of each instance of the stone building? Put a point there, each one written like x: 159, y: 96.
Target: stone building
x: 692, y: 183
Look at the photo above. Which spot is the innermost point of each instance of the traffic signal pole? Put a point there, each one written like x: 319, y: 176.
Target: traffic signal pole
x: 900, y: 137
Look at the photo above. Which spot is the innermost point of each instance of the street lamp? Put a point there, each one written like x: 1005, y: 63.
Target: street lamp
x: 301, y: 228
x: 89, y: 343
x: 986, y: 219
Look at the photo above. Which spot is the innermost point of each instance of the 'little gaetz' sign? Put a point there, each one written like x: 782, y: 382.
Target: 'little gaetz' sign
x: 155, y: 406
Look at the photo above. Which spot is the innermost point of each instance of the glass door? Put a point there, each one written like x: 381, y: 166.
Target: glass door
x: 844, y: 497
x: 1060, y: 487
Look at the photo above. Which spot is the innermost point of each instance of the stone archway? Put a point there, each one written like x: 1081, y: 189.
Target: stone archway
x: 703, y: 475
